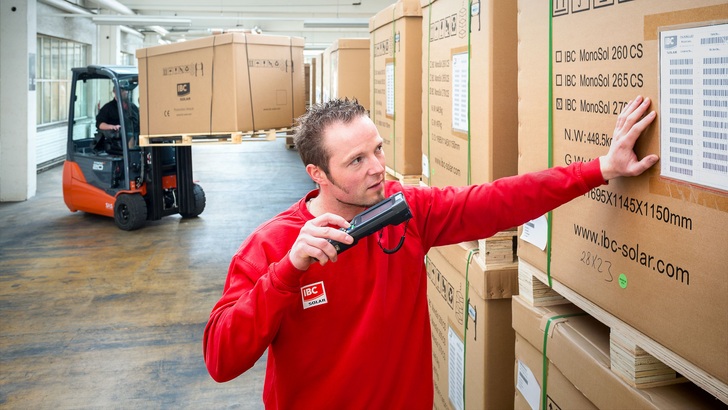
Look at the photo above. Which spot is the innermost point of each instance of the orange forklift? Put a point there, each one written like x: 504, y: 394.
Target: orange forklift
x: 107, y: 172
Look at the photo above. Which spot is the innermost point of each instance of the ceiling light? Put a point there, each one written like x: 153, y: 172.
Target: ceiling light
x: 140, y: 20
x: 336, y: 23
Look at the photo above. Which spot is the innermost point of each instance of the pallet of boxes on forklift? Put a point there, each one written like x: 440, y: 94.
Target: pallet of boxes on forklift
x: 469, y: 91
x: 221, y: 85
x: 649, y: 251
x: 346, y: 70
x: 396, y: 85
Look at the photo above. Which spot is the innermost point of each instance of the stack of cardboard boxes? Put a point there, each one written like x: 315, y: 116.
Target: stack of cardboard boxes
x: 495, y: 102
x: 472, y: 337
x: 469, y: 136
x: 396, y: 86
x: 648, y: 253
x: 563, y: 361
x: 469, y: 91
x: 510, y: 88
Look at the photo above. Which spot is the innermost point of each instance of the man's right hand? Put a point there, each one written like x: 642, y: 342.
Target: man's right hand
x: 312, y: 244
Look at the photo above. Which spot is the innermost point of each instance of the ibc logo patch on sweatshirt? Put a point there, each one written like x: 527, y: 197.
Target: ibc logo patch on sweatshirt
x: 313, y: 295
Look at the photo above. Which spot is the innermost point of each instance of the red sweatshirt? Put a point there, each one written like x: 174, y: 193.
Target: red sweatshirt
x: 355, y: 334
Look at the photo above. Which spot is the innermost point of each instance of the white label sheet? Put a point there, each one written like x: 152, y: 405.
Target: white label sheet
x: 460, y: 92
x: 389, y: 74
x: 528, y: 386
x: 456, y: 369
x: 694, y: 105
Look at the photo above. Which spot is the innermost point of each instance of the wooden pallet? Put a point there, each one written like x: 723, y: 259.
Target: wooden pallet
x: 498, y: 249
x: 392, y: 175
x: 221, y: 138
x: 534, y: 291
x: 637, y: 367
x: 638, y: 359
x: 290, y: 144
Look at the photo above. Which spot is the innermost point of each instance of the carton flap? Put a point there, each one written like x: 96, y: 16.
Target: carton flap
x: 499, y: 282
x: 396, y: 11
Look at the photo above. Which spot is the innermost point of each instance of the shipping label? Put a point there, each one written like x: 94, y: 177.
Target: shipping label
x: 694, y: 105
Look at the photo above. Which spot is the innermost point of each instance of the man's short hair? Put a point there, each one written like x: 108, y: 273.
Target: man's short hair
x: 308, y: 136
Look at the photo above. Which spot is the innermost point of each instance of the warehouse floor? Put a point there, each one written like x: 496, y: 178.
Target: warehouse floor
x: 95, y: 317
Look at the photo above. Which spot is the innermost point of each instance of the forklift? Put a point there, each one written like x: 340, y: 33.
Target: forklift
x: 107, y: 172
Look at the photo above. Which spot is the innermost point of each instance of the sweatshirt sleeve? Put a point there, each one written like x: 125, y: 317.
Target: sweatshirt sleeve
x: 480, y: 211
x: 246, y: 319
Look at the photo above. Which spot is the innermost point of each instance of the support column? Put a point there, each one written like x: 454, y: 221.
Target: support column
x: 109, y: 45
x: 17, y: 100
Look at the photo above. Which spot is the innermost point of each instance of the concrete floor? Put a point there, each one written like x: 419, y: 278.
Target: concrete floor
x: 95, y: 317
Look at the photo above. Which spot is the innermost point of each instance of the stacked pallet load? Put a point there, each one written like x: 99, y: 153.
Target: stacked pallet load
x: 472, y: 337
x: 396, y: 87
x: 645, y: 257
x: 470, y: 136
x: 563, y: 358
x: 469, y: 92
x: 224, y: 88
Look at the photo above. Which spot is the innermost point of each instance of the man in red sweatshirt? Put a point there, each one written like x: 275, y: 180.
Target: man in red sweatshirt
x: 352, y: 331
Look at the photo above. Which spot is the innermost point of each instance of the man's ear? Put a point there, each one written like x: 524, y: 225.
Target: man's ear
x: 317, y: 174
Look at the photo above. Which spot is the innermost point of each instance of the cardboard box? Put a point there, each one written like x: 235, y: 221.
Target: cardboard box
x: 346, y: 70
x: 277, y: 80
x: 326, y: 75
x: 221, y: 84
x: 308, y: 81
x: 650, y: 250
x: 578, y: 345
x: 561, y: 393
x: 472, y: 339
x: 396, y: 78
x: 317, y: 78
x: 469, y: 91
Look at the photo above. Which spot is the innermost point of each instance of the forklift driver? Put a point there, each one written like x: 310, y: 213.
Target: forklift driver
x: 108, y: 117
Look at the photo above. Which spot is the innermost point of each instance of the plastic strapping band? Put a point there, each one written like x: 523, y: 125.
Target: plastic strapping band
x: 373, y: 113
x: 465, y: 329
x: 212, y: 82
x: 394, y: 92
x: 250, y: 83
x: 429, y: 42
x: 545, y: 363
x: 470, y: 19
x: 550, y: 216
x: 293, y: 90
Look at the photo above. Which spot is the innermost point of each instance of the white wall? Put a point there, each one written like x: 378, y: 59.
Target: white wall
x: 17, y: 99
x: 23, y: 147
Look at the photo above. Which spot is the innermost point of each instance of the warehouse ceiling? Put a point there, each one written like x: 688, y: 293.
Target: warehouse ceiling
x: 320, y: 22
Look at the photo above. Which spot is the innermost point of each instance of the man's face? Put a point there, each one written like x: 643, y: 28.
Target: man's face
x: 356, y: 165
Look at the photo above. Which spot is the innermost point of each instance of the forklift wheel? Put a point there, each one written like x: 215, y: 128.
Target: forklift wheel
x: 199, y: 195
x: 130, y: 211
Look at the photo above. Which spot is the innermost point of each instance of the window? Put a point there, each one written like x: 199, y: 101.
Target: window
x: 56, y: 57
x: 128, y: 59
